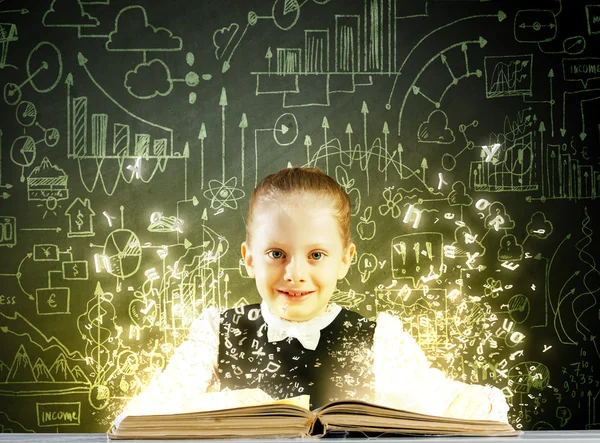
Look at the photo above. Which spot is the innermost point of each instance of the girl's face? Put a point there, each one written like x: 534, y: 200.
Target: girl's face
x: 296, y: 254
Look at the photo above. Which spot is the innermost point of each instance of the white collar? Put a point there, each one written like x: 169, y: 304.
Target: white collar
x: 307, y: 332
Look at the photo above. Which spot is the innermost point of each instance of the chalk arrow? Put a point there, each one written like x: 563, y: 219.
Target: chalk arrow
x: 365, y: 108
x: 223, y: 99
x: 244, y: 121
x: 202, y: 134
x: 81, y: 59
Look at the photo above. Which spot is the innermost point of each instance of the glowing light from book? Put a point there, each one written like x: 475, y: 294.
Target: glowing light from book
x: 393, y: 362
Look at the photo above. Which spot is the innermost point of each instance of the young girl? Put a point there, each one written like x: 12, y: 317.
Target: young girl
x: 296, y: 342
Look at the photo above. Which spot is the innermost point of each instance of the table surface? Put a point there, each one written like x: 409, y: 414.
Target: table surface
x: 530, y: 436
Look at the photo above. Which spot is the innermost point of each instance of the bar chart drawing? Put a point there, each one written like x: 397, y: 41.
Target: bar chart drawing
x: 566, y: 178
x: 90, y: 135
x: 347, y: 43
x: 316, y: 51
x: 379, y: 35
x: 356, y: 46
x: 514, y: 170
x: 556, y: 173
x: 101, y: 137
x: 79, y: 127
x: 288, y: 60
x: 121, y: 140
x: 99, y: 128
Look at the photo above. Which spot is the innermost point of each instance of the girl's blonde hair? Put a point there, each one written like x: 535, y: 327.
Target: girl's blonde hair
x: 302, y: 180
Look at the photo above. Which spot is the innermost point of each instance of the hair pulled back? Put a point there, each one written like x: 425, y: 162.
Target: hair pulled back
x: 308, y: 181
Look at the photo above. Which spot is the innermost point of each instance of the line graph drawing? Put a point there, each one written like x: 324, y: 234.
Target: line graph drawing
x: 508, y: 75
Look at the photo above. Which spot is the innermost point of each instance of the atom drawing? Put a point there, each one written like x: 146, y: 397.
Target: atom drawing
x: 224, y: 194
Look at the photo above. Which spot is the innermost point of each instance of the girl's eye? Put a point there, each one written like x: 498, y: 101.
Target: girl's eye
x: 316, y: 255
x: 275, y: 254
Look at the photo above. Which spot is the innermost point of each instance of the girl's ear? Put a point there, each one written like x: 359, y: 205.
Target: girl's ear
x: 346, y: 261
x: 248, y: 259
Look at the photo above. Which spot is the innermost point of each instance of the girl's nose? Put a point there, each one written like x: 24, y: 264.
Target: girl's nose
x: 295, y: 271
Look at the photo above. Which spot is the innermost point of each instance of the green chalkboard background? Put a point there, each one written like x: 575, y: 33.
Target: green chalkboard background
x: 133, y: 132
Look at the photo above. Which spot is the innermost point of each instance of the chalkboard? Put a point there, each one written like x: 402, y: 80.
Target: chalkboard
x: 133, y: 133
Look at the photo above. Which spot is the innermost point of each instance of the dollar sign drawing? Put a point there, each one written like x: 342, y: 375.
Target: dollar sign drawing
x: 75, y: 270
x: 79, y: 221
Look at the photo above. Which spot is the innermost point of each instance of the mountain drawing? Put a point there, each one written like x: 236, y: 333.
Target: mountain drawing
x: 21, y: 369
x: 60, y: 370
x: 41, y: 372
x: 4, y: 370
x: 79, y: 375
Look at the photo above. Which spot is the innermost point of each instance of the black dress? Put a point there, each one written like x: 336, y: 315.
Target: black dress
x: 341, y: 367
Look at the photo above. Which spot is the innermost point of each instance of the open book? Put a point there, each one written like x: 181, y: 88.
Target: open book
x: 292, y: 418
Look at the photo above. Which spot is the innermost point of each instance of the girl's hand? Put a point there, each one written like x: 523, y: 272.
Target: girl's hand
x: 471, y: 403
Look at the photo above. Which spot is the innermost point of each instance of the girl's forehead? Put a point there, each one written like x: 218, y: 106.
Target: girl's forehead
x: 300, y: 201
x: 307, y: 216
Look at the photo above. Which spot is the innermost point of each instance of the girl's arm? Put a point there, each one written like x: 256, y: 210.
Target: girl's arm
x: 404, y: 379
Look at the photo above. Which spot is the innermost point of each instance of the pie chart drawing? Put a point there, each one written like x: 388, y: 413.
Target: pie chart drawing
x: 23, y: 151
x: 285, y: 13
x: 124, y: 252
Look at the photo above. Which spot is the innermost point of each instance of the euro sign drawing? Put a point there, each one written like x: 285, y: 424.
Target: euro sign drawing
x: 52, y: 301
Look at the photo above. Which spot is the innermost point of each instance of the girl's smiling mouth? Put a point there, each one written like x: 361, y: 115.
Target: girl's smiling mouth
x: 295, y: 295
